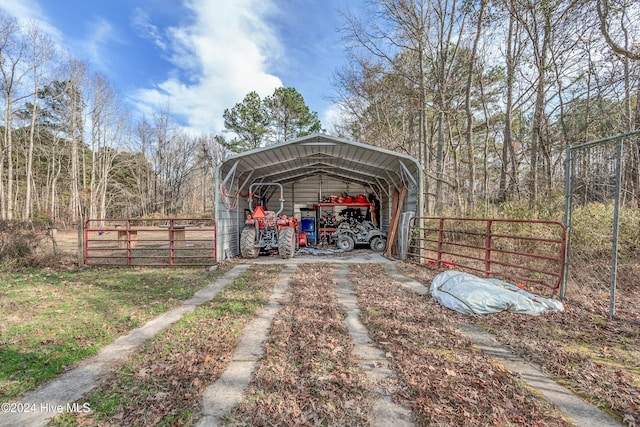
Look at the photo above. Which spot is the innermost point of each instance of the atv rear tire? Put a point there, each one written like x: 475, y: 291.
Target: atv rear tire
x: 248, y: 248
x: 378, y: 244
x: 287, y: 242
x: 346, y: 243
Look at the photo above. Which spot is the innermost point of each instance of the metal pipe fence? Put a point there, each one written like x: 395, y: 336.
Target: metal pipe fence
x: 150, y: 242
x: 528, y: 253
x: 602, y: 215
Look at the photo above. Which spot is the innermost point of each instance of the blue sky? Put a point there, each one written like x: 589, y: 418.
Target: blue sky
x: 199, y: 57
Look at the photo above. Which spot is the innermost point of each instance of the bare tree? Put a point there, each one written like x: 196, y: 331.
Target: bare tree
x: 12, y: 70
x: 471, y: 196
x: 628, y: 13
x: 106, y: 128
x: 141, y: 168
x: 76, y: 72
x: 394, y: 43
x: 161, y: 129
x: 41, y: 52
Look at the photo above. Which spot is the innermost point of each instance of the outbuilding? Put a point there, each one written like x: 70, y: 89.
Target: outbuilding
x: 320, y: 176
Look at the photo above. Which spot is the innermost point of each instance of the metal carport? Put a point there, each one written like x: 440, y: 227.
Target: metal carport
x: 310, y: 168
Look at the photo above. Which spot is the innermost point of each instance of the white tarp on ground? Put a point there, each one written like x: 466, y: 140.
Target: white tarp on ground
x: 469, y: 294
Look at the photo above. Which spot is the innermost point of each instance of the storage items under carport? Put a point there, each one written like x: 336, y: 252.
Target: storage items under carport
x: 308, y: 225
x: 312, y: 170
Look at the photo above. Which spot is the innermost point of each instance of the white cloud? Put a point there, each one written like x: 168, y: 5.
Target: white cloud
x: 93, y: 46
x: 330, y: 118
x: 142, y: 23
x: 222, y: 55
x: 26, y: 12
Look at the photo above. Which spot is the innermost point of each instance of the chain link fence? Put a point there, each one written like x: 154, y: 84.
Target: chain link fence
x: 603, y: 219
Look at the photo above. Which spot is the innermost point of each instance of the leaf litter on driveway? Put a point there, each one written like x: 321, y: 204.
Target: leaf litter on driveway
x: 596, y: 357
x: 311, y: 376
x: 443, y: 378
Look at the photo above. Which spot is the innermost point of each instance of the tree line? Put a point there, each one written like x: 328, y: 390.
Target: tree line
x: 70, y: 150
x: 487, y: 94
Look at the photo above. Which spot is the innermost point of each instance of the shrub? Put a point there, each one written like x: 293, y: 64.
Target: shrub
x: 23, y: 248
x: 592, y: 231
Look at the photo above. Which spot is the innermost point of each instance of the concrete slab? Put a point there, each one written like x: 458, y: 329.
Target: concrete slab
x: 372, y: 360
x: 58, y: 395
x: 228, y: 391
x: 355, y: 257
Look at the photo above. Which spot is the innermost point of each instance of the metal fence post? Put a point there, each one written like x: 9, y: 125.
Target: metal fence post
x: 487, y: 249
x: 567, y: 224
x: 616, y: 220
x: 440, y: 241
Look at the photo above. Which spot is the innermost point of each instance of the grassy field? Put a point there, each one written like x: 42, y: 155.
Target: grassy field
x: 53, y: 319
x: 171, y: 371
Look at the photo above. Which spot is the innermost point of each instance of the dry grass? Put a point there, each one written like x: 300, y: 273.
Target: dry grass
x: 445, y: 380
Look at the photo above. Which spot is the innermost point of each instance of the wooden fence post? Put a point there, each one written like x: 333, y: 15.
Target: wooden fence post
x: 80, y: 243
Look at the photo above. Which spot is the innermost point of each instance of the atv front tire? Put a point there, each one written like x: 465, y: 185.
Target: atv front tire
x: 378, y: 244
x: 346, y: 243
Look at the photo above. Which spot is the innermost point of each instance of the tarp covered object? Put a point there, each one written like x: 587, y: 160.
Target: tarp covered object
x: 469, y: 294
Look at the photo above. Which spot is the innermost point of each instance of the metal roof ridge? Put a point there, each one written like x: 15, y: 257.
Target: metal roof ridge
x: 302, y: 139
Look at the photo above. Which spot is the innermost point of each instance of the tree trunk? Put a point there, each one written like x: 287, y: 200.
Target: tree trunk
x: 471, y: 194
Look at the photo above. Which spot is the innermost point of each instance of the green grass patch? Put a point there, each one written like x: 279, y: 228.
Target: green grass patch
x: 51, y: 320
x: 172, y: 370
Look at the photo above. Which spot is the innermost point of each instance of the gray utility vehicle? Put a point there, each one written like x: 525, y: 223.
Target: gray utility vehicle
x: 356, y: 231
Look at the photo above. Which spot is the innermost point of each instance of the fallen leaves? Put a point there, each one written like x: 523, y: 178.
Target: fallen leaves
x: 309, y: 375
x: 444, y: 379
x: 596, y: 357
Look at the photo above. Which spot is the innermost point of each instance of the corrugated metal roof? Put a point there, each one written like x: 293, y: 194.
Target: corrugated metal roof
x: 320, y: 154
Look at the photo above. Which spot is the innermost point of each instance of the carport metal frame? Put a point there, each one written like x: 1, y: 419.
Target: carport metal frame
x: 318, y: 155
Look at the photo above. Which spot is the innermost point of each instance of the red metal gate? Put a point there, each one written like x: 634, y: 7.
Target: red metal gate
x: 150, y: 242
x: 526, y: 252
